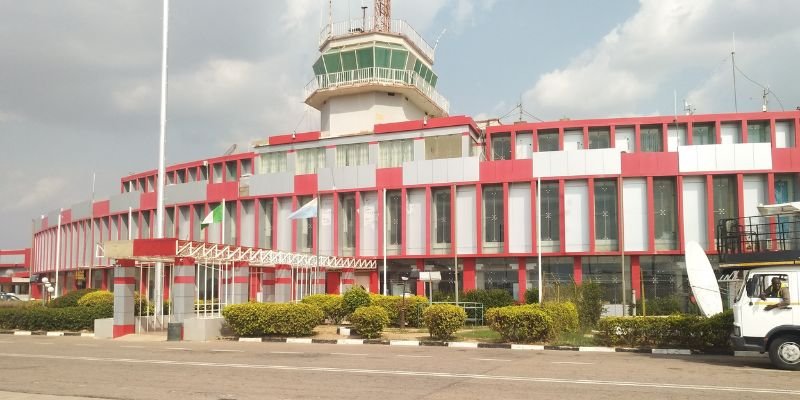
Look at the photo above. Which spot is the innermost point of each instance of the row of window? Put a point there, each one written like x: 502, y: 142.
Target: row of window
x: 651, y: 138
x: 228, y: 171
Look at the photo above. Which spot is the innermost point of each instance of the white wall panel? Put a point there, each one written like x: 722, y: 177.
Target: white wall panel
x: 676, y: 136
x: 730, y: 132
x: 625, y: 139
x: 634, y: 210
x: 284, y: 225
x: 466, y: 229
x: 415, y: 222
x: 183, y: 223
x: 694, y: 211
x: 576, y: 220
x: 725, y: 157
x: 573, y: 139
x: 519, y: 218
x: 784, y: 134
x: 248, y: 224
x: 368, y: 215
x: 326, y: 226
x: 755, y: 193
x: 524, y: 146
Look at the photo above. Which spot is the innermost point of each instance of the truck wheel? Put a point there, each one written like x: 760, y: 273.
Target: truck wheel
x: 784, y: 352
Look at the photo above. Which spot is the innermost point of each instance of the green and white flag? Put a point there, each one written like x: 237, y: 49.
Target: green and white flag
x: 213, y: 217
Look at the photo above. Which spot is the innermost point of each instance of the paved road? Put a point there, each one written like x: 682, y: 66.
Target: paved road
x: 37, y: 367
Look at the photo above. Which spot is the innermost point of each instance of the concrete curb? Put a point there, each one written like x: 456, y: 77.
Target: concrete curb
x: 46, y: 333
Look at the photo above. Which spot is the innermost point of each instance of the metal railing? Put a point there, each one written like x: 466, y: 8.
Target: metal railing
x: 356, y: 26
x: 377, y: 75
x: 758, y: 238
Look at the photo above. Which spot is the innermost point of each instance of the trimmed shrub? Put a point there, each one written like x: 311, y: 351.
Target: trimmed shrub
x: 392, y: 306
x: 678, y: 330
x: 531, y: 296
x: 96, y: 298
x: 589, y: 301
x: 39, y: 318
x: 491, y: 298
x: 443, y: 320
x: 69, y: 299
x: 331, y: 305
x: 521, y: 323
x: 265, y: 319
x: 564, y: 315
x: 370, y: 321
x: 354, y: 298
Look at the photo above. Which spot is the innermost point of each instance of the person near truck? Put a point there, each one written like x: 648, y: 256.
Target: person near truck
x: 779, y: 289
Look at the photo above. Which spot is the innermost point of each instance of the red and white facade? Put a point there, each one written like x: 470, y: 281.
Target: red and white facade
x: 14, y: 269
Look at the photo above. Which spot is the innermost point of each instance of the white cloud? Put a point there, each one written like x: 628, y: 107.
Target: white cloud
x: 30, y: 194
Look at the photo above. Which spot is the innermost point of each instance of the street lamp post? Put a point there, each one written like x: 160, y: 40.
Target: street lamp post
x: 403, y: 305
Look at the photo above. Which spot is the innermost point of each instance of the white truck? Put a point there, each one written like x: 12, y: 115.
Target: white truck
x: 763, y: 251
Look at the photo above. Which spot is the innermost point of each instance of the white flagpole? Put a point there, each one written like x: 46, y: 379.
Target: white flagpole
x: 222, y: 235
x: 385, y: 239
x: 159, y: 278
x: 58, y: 251
x: 539, y: 232
x: 453, y: 239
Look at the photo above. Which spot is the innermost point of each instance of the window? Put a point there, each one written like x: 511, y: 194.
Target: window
x: 724, y: 199
x: 784, y: 134
x: 666, y: 216
x: 664, y: 277
x: 217, y: 173
x: 599, y: 138
x: 265, y: 214
x: 272, y: 163
x: 608, y: 273
x: 524, y: 145
x: 758, y: 284
x: 395, y: 152
x: 393, y: 218
x: 308, y: 161
x: 730, y: 132
x: 758, y: 132
x: 230, y: 171
x: 498, y: 273
x: 305, y: 228
x: 605, y: 211
x: 548, y: 140
x: 550, y: 217
x: 501, y: 146
x: 493, y: 214
x: 441, y: 216
x: 347, y: 224
x: 350, y: 155
x: 703, y: 134
x: 446, y: 146
x: 651, y: 138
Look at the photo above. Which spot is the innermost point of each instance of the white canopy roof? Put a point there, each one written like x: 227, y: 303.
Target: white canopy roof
x: 782, y: 208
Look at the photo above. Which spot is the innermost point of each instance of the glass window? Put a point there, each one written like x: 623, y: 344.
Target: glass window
x: 524, y: 145
x: 441, y: 216
x: 759, y: 284
x: 605, y: 211
x: 399, y: 58
x: 319, y: 67
x: 445, y: 288
x: 308, y: 161
x: 550, y: 218
x: 557, y: 272
x: 348, y: 60
x: 348, y: 155
x: 272, y: 163
x: 498, y: 273
x: 305, y: 228
x: 599, y: 138
x: 665, y: 278
x: 230, y: 171
x: 758, y: 132
x: 730, y: 132
x: 446, y: 146
x: 217, y: 173
x: 703, y: 134
x: 493, y: 214
x: 651, y: 139
x: 501, y: 146
x: 666, y: 216
x: 365, y: 57
x: 394, y: 218
x: 609, y: 273
x: 395, y: 152
x: 382, y: 56
x: 784, y: 134
x: 724, y: 199
x: 265, y: 225
x: 347, y: 224
x: 548, y: 140
x: 332, y: 62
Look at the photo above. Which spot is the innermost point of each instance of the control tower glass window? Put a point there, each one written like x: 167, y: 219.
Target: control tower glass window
x: 350, y: 155
x: 272, y: 163
x: 393, y: 153
x: 309, y: 160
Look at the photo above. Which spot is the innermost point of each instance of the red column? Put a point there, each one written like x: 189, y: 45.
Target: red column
x: 469, y: 274
x: 710, y: 212
x: 636, y: 275
x: 420, y: 284
x: 522, y: 278
x: 374, y: 286
x: 577, y: 270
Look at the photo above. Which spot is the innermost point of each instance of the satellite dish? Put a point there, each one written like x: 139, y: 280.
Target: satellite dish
x: 230, y: 150
x: 702, y: 280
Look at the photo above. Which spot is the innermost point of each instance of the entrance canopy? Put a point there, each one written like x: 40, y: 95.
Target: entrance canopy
x: 167, y: 250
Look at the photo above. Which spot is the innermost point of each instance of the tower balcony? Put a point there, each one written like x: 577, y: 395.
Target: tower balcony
x: 345, y: 29
x: 408, y: 83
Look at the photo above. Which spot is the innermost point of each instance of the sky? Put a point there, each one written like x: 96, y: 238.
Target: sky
x: 80, y: 79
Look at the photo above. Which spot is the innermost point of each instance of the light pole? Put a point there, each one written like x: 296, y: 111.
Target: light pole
x: 403, y: 306
x: 47, y: 289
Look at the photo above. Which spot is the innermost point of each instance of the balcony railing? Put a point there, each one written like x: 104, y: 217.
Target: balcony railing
x: 375, y: 75
x: 759, y: 239
x: 357, y: 26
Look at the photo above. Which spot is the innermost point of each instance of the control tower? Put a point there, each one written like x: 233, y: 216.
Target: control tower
x: 373, y: 71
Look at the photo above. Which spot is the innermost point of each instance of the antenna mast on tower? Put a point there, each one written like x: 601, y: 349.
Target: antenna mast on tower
x: 383, y: 15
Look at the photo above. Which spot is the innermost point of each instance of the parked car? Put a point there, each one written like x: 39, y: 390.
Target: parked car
x: 9, y: 297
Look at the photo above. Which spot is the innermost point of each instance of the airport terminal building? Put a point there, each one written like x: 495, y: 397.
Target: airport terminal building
x: 396, y: 176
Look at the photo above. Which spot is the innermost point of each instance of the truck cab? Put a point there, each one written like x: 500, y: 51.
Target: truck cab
x: 765, y: 251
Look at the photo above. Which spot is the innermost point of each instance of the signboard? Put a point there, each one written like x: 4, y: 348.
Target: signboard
x: 430, y: 276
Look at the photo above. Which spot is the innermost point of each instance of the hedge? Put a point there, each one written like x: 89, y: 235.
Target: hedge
x: 39, y: 318
x: 370, y: 321
x: 353, y: 298
x: 70, y: 299
x: 392, y: 306
x: 332, y: 306
x: 564, y: 315
x: 265, y: 319
x: 679, y: 330
x: 521, y: 323
x: 491, y: 298
x: 443, y: 320
x: 100, y: 297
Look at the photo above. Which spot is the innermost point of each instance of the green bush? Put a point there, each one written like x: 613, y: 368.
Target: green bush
x: 563, y: 314
x: 265, y: 319
x: 39, y: 318
x: 99, y: 297
x: 666, y: 305
x: 491, y: 298
x: 331, y: 305
x: 70, y: 299
x: 589, y: 301
x: 531, y: 296
x: 354, y: 298
x: 521, y: 323
x: 678, y: 330
x: 392, y: 306
x: 443, y: 320
x: 370, y: 321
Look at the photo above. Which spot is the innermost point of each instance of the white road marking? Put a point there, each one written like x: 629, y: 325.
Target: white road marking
x: 413, y: 356
x: 226, y: 351
x: 286, y: 352
x: 132, y: 347
x: 6, y: 341
x: 572, y: 362
x: 350, y: 354
x: 85, y: 345
x: 425, y: 374
x: 491, y: 359
x: 43, y: 342
x: 178, y: 348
